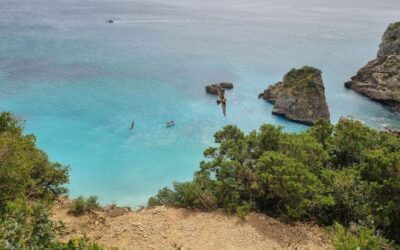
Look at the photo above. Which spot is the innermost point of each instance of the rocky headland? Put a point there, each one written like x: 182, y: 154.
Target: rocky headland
x: 380, y: 79
x: 299, y: 97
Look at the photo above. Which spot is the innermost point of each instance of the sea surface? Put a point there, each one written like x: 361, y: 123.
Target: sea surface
x: 79, y: 81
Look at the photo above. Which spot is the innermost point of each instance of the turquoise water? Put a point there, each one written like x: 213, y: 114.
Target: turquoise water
x: 79, y: 81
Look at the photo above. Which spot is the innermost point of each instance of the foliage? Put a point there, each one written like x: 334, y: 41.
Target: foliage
x: 29, y: 184
x: 25, y: 171
x: 299, y: 77
x: 27, y: 226
x: 346, y: 173
x: 82, y: 243
x: 81, y: 205
x: 362, y: 238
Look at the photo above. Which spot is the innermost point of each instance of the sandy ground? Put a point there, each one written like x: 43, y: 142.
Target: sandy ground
x: 165, y: 227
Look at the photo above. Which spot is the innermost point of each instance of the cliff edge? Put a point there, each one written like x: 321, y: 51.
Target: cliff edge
x: 170, y: 228
x: 380, y: 78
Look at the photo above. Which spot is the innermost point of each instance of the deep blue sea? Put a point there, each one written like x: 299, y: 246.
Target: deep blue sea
x: 79, y: 81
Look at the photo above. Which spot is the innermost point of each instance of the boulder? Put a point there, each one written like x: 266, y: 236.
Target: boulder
x: 380, y: 78
x: 299, y: 97
x: 226, y: 85
x: 213, y: 88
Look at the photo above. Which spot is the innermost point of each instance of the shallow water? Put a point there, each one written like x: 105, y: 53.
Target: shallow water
x: 79, y: 81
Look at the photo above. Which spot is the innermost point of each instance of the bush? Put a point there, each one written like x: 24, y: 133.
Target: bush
x: 25, y: 170
x: 29, y: 184
x: 82, y: 243
x: 27, y: 226
x: 346, y: 173
x: 81, y: 205
x: 92, y: 203
x: 363, y: 238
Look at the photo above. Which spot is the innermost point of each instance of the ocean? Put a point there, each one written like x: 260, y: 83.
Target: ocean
x: 80, y: 81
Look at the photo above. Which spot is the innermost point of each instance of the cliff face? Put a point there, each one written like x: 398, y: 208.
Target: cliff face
x: 380, y: 78
x: 300, y: 97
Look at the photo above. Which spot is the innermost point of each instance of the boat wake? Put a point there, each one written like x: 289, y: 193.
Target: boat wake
x: 158, y: 21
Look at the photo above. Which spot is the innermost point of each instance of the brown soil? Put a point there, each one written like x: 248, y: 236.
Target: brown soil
x: 163, y: 227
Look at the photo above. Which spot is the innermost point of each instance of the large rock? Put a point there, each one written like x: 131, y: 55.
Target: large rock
x: 213, y: 88
x: 390, y: 41
x: 380, y: 79
x: 300, y: 97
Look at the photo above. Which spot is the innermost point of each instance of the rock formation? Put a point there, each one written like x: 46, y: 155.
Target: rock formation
x: 380, y: 79
x: 212, y: 88
x: 299, y: 97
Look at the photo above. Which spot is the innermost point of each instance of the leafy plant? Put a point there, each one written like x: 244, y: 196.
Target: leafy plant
x: 81, y: 205
x: 346, y: 173
x: 362, y: 238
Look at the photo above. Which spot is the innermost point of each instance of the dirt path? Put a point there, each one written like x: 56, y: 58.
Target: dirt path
x: 162, y: 227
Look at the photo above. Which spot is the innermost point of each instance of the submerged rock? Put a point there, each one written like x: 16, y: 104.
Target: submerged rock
x: 300, y: 97
x: 380, y: 79
x: 213, y: 88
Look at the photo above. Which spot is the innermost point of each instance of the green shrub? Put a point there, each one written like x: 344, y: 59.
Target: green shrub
x: 82, y: 243
x: 29, y: 185
x: 81, y: 205
x: 25, y: 170
x: 92, y: 203
x: 347, y: 172
x: 27, y: 226
x: 363, y: 238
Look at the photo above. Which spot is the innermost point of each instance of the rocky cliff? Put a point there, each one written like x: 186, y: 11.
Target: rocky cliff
x: 380, y: 79
x: 300, y: 97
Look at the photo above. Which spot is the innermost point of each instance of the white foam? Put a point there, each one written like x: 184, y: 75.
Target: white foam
x: 157, y: 21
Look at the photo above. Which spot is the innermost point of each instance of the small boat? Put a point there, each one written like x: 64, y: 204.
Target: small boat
x: 110, y: 21
x: 170, y: 123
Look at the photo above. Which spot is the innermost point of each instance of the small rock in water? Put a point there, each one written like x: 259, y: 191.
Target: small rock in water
x: 213, y: 88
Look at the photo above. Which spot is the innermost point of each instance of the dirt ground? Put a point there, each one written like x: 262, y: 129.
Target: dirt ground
x: 170, y: 228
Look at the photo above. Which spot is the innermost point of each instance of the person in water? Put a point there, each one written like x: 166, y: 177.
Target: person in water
x: 132, y: 126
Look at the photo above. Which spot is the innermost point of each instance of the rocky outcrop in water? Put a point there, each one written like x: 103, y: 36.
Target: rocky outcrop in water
x: 380, y: 79
x: 300, y: 97
x: 212, y: 88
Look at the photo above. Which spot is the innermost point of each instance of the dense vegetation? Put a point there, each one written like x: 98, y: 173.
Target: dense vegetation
x: 347, y: 174
x: 299, y: 77
x: 29, y: 185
